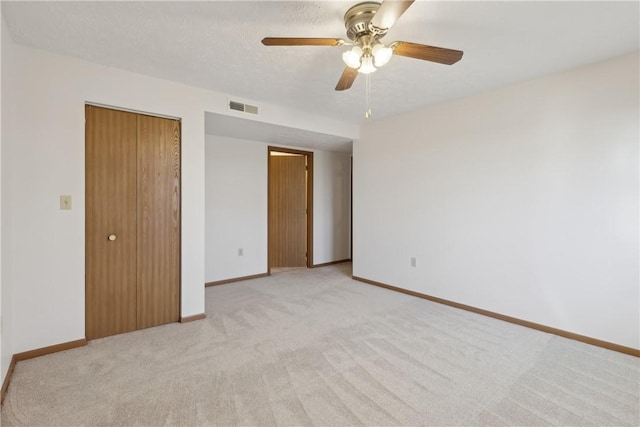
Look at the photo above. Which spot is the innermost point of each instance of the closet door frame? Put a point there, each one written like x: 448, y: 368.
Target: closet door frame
x: 271, y: 239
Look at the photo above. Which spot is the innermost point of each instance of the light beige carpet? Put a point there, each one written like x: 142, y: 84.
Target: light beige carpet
x: 313, y: 347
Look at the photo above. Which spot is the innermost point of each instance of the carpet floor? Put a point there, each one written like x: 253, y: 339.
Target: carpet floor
x: 313, y: 347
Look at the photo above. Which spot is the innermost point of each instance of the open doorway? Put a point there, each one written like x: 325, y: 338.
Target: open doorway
x: 290, y: 208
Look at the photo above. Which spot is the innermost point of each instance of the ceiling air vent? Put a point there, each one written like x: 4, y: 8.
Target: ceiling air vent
x: 245, y: 108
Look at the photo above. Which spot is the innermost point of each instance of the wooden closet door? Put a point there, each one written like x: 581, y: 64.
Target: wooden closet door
x: 110, y: 210
x: 287, y: 211
x: 158, y: 218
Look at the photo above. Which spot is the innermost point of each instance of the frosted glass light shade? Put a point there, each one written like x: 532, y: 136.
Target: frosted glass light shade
x: 381, y: 54
x: 367, y: 65
x: 352, y: 57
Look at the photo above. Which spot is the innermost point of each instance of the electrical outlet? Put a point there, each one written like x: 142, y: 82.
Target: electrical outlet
x: 65, y: 203
x: 413, y: 261
x: 240, y: 252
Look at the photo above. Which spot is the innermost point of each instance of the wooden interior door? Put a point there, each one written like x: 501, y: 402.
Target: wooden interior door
x: 158, y: 218
x: 110, y: 282
x: 287, y: 210
x: 132, y: 221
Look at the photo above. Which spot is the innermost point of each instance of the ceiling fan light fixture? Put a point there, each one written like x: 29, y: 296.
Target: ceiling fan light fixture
x: 381, y: 54
x: 367, y: 66
x: 366, y: 23
x: 352, y: 57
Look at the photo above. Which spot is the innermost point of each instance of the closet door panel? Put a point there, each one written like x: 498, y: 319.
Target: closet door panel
x: 110, y: 227
x: 158, y: 218
x: 287, y: 211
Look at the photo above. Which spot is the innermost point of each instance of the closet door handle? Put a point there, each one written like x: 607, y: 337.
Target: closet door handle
x: 112, y: 237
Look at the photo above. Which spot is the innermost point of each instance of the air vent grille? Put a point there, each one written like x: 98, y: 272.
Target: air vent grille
x: 245, y: 108
x: 238, y: 106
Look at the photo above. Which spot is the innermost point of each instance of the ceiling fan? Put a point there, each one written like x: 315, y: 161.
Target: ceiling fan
x: 366, y: 24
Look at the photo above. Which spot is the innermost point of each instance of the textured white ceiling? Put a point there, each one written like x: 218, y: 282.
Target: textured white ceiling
x: 216, y: 45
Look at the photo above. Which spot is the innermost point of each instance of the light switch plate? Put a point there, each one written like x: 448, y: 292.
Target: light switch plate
x: 65, y: 203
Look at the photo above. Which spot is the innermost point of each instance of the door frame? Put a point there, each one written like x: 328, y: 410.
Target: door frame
x: 309, y: 157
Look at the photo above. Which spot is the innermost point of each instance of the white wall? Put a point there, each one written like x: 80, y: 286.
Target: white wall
x: 236, y: 207
x: 7, y: 75
x: 45, y: 149
x: 331, y: 206
x: 522, y: 201
x: 2, y: 30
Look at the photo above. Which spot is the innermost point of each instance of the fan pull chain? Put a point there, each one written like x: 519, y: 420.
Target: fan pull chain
x: 367, y: 113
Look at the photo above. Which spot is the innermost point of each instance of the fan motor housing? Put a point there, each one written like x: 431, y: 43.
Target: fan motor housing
x: 357, y: 19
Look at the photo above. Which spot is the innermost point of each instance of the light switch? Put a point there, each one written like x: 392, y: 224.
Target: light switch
x: 65, y: 203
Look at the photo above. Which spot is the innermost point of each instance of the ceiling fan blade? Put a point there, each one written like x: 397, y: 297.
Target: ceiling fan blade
x: 427, y: 53
x: 388, y: 13
x: 347, y: 78
x: 297, y: 41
